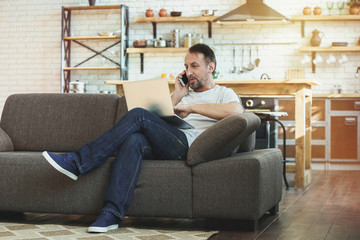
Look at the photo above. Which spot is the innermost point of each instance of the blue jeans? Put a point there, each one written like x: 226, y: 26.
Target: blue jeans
x: 138, y: 135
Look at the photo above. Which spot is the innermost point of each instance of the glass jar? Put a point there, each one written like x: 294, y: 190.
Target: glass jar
x: 176, y: 38
x: 188, y: 40
x: 199, y: 38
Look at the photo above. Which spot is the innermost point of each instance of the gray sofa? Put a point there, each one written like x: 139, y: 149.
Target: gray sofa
x: 210, y: 184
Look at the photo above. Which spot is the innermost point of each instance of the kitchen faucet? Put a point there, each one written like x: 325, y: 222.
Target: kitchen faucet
x: 264, y: 76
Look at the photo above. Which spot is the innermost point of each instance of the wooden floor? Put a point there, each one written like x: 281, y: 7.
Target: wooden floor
x: 328, y: 209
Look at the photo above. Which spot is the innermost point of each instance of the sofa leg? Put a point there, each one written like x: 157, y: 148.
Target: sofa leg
x: 255, y: 225
x: 232, y: 225
x: 274, y: 210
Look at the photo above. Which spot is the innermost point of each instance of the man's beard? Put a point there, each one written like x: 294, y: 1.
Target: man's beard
x: 197, y: 84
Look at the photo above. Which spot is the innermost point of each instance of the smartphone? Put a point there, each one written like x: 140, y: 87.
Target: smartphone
x: 184, y: 80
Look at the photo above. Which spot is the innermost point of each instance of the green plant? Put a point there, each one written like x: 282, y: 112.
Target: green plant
x: 353, y: 3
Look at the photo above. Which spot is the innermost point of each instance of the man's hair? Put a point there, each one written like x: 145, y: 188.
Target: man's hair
x: 209, y: 54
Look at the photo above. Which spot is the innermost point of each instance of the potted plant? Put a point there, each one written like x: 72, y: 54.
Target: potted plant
x: 354, y: 6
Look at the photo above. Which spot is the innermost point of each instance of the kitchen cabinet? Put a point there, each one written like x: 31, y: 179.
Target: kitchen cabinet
x: 344, y: 137
x: 344, y: 120
x: 67, y: 39
x: 335, y: 130
x: 318, y: 128
x: 155, y: 20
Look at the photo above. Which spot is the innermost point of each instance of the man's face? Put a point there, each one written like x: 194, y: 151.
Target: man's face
x: 197, y: 70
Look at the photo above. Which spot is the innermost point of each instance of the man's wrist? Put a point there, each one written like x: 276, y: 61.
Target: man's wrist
x: 191, y: 107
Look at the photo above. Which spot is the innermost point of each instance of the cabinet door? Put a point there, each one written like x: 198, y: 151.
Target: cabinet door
x: 344, y: 137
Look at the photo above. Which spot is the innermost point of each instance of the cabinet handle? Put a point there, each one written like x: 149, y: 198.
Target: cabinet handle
x: 351, y: 121
x: 357, y: 105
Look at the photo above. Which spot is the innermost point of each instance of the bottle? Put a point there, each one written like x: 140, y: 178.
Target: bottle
x: 199, y: 38
x: 188, y: 40
x: 176, y: 38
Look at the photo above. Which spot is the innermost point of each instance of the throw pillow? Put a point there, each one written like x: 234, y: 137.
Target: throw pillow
x: 222, y: 138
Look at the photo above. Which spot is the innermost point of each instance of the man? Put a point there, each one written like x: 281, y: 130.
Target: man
x: 141, y: 134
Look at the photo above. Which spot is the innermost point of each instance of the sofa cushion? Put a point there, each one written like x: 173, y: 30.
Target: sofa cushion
x: 221, y: 139
x: 57, y: 121
x: 5, y: 142
x: 164, y: 189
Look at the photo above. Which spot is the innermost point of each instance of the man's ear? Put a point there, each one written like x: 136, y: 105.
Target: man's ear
x: 211, y: 67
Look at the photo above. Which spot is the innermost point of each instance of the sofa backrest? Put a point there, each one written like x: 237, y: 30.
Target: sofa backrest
x: 58, y: 122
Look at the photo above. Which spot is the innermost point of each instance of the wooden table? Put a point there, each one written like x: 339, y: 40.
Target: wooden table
x: 300, y: 89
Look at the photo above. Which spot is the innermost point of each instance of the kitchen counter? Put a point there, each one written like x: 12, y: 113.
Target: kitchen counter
x: 336, y: 95
x: 300, y: 89
x: 329, y: 95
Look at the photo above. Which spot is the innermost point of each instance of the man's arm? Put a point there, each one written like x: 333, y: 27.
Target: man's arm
x: 213, y: 110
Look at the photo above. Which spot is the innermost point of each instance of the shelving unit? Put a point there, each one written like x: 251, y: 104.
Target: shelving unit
x: 67, y: 39
x: 314, y: 50
x: 155, y: 20
x: 304, y: 18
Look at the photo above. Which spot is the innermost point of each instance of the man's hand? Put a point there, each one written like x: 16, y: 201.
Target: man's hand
x: 182, y: 110
x: 179, y: 91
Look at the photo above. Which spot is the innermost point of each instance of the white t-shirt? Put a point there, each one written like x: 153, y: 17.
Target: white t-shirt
x: 218, y: 94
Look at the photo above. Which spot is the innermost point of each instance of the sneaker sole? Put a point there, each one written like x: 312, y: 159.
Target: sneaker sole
x: 103, y: 229
x: 58, y: 167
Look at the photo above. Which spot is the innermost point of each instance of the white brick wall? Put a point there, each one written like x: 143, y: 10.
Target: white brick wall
x: 31, y: 30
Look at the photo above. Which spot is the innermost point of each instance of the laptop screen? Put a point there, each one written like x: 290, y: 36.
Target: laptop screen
x: 152, y: 95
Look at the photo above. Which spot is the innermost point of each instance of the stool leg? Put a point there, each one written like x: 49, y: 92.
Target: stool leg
x: 284, y: 150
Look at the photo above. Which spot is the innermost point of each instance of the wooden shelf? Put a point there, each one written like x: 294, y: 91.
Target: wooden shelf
x: 326, y: 18
x: 304, y: 18
x: 91, y: 68
x: 174, y: 19
x: 155, y: 20
x: 92, y: 38
x: 141, y: 51
x: 157, y: 50
x: 273, y: 22
x: 92, y: 7
x: 330, y: 49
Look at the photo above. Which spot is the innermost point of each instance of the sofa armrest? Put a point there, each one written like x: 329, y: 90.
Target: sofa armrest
x: 6, y: 144
x: 221, y: 139
x: 242, y: 186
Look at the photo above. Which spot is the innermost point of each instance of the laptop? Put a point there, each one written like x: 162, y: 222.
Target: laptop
x: 154, y: 96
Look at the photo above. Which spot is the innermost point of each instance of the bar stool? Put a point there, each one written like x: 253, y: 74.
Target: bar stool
x: 271, y: 116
